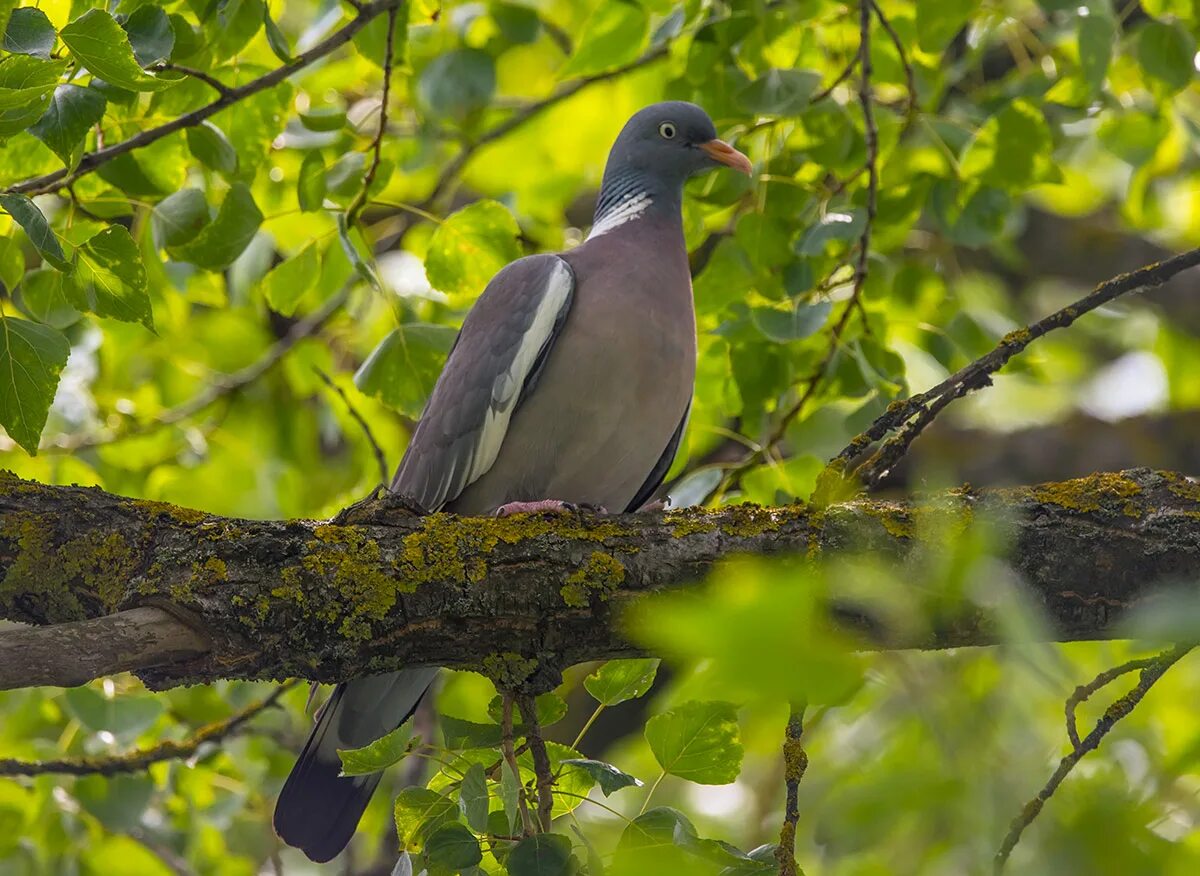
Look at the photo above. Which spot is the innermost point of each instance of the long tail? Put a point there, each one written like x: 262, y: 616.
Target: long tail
x: 318, y: 809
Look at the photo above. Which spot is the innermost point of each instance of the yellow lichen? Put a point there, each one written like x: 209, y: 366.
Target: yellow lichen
x: 1096, y: 492
x: 599, y: 576
x: 1020, y: 337
x: 189, y: 516
x: 509, y: 670
x: 211, y: 571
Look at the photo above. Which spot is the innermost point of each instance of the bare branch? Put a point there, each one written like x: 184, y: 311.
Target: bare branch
x: 380, y: 458
x: 360, y: 199
x: 541, y: 760
x: 136, y: 761
x: 1150, y: 674
x: 211, y: 81
x: 921, y: 409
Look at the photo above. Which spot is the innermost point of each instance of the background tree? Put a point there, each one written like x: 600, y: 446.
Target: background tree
x: 238, y: 239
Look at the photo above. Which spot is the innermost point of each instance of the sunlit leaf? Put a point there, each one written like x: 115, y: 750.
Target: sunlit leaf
x: 30, y: 218
x: 26, y: 82
x: 551, y: 708
x: 288, y: 281
x: 620, y: 680
x: 608, y: 776
x: 71, y: 114
x: 420, y: 812
x: 473, y: 798
x: 470, y: 247
x: 32, y: 357
x: 103, y: 47
x: 378, y: 755
x: 697, y: 741
x: 29, y: 32
x: 110, y: 279
x: 401, y: 371
x: 612, y: 35
x: 310, y: 185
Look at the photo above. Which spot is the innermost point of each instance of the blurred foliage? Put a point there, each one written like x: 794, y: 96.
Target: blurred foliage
x: 140, y: 286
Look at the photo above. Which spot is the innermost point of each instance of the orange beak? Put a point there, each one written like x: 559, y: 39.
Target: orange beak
x: 719, y: 150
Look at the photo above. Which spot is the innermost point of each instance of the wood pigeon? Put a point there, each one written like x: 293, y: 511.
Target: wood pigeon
x: 569, y: 384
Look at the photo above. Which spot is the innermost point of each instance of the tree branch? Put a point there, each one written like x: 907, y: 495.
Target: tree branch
x: 52, y: 182
x: 278, y: 599
x: 921, y: 409
x: 1150, y: 674
x: 136, y: 761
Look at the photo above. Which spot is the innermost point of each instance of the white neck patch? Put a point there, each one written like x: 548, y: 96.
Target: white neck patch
x: 631, y: 207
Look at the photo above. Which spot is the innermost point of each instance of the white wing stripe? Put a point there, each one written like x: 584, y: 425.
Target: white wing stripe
x: 507, y: 385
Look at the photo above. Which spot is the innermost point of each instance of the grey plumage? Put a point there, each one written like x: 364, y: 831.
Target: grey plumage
x: 570, y: 380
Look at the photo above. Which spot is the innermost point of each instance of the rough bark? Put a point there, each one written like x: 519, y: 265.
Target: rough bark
x: 522, y: 597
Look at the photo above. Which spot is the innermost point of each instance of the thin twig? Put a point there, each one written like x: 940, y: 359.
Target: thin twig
x: 510, y: 757
x: 1118, y: 710
x: 217, y: 389
x: 52, y: 182
x: 1084, y: 691
x: 813, y: 381
x: 136, y: 761
x: 921, y: 409
x: 910, y: 107
x: 380, y: 459
x: 211, y: 81
x: 360, y: 199
x: 795, y: 762
x: 541, y: 760
x: 825, y: 92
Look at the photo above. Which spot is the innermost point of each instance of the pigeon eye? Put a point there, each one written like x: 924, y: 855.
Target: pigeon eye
x: 667, y: 130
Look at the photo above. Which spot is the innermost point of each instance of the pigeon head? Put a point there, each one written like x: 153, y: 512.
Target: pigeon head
x: 657, y: 151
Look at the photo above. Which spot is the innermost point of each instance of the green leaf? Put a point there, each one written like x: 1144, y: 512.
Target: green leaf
x: 613, y: 34
x: 357, y: 251
x: 310, y: 186
x: 419, y: 812
x: 30, y: 218
x: 473, y: 798
x: 323, y: 118
x: 938, y: 21
x: 656, y: 827
x: 71, y: 114
x: 544, y: 854
x: 43, y: 296
x: 832, y: 227
x: 344, y: 177
x: 379, y: 755
x: 222, y: 240
x: 275, y: 38
x: 287, y: 282
x: 179, y: 217
x: 460, y: 733
x: 453, y: 847
x: 26, y: 83
x: 110, y: 278
x: 212, y: 148
x: 150, y: 35
x: 125, y: 716
x: 780, y: 92
x: 620, y: 680
x: 470, y: 247
x: 29, y: 32
x: 697, y: 741
x: 510, y: 794
x: 1013, y: 150
x: 234, y: 25
x: 793, y: 322
x: 12, y: 263
x: 401, y: 371
x: 1167, y: 52
x: 550, y: 707
x: 610, y: 778
x: 103, y: 47
x: 1096, y: 35
x: 32, y: 357
x: 458, y: 83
